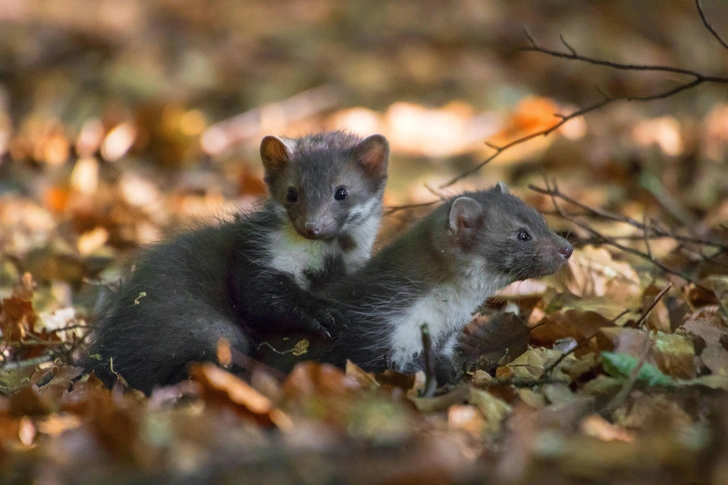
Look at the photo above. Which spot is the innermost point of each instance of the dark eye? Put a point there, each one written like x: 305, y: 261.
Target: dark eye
x: 292, y: 195
x: 524, y: 236
x: 340, y: 194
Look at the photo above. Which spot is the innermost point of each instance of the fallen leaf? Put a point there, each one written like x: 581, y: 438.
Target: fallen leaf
x: 598, y: 427
x: 494, y: 409
x: 226, y: 387
x: 576, y: 324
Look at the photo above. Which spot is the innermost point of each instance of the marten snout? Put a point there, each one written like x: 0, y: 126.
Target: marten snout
x: 566, y: 250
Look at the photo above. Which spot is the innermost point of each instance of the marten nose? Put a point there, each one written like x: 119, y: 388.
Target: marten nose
x: 312, y: 228
x: 566, y: 251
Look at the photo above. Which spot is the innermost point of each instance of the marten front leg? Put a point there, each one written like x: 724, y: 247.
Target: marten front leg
x: 333, y: 269
x: 268, y: 300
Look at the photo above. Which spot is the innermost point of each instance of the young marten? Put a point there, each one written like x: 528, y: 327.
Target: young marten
x: 253, y: 274
x: 438, y: 273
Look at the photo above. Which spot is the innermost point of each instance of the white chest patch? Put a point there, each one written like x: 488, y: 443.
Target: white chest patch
x: 294, y: 254
x: 291, y: 253
x: 446, y: 310
x: 363, y: 233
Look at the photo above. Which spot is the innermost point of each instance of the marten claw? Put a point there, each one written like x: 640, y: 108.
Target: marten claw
x: 314, y: 325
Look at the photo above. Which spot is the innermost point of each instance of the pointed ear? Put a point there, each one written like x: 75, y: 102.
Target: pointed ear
x: 275, y: 154
x: 465, y: 214
x: 373, y: 154
x: 502, y: 187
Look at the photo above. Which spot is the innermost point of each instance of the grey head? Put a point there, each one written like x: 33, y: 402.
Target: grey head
x: 326, y: 180
x: 499, y: 230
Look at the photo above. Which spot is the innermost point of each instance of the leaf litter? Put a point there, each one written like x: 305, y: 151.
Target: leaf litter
x: 545, y: 363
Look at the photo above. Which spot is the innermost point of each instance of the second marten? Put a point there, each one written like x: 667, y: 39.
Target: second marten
x: 438, y: 273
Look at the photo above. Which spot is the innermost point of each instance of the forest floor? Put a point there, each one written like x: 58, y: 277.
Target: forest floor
x: 124, y: 121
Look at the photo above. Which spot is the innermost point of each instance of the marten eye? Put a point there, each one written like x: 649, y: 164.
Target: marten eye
x: 524, y: 236
x: 292, y: 195
x: 340, y: 194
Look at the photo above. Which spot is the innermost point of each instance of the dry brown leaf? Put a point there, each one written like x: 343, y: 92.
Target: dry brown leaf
x: 221, y: 386
x: 531, y: 115
x: 533, y: 363
x: 715, y: 358
x: 498, y: 339
x: 465, y: 417
x: 441, y: 403
x: 708, y: 325
x: 576, y: 324
x: 494, y: 409
x: 593, y: 272
x: 566, y: 415
x: 365, y: 379
x: 598, y: 427
x: 29, y: 402
x: 651, y: 412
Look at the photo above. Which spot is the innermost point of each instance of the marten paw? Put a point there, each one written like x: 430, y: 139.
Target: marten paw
x: 321, y: 320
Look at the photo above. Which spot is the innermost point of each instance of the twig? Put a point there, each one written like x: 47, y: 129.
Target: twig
x: 556, y: 363
x: 429, y: 358
x: 709, y: 26
x: 654, y: 303
x: 624, y: 393
x: 6, y: 366
x: 699, y: 78
x: 601, y: 213
x: 554, y: 193
x: 396, y: 208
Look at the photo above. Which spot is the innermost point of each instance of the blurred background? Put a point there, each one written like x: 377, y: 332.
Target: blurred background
x: 123, y: 119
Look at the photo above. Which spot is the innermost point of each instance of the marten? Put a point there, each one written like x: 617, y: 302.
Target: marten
x: 438, y: 273
x: 252, y: 274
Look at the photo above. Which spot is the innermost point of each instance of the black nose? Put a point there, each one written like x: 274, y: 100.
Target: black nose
x: 566, y: 251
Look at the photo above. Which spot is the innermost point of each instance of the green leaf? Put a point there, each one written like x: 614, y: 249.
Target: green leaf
x: 621, y: 365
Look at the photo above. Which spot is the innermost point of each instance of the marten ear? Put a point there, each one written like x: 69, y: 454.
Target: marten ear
x: 465, y: 213
x: 502, y: 187
x: 373, y: 154
x: 275, y: 154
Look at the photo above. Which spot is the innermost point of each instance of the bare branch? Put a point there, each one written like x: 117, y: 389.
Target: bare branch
x: 698, y: 79
x: 629, y: 384
x: 428, y: 355
x: 657, y: 231
x: 566, y: 44
x: 709, y: 26
x: 396, y: 208
x: 606, y: 96
x: 573, y: 56
x: 652, y: 306
x: 609, y: 241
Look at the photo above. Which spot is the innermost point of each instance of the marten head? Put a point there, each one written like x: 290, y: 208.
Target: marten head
x: 509, y: 238
x: 326, y: 181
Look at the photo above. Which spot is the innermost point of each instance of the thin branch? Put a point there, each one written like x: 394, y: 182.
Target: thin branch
x: 555, y: 193
x: 566, y: 44
x: 556, y: 363
x: 657, y: 231
x: 709, y: 26
x: 629, y: 384
x: 429, y: 363
x: 654, y: 303
x: 396, y: 208
x: 699, y: 78
x: 573, y: 56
